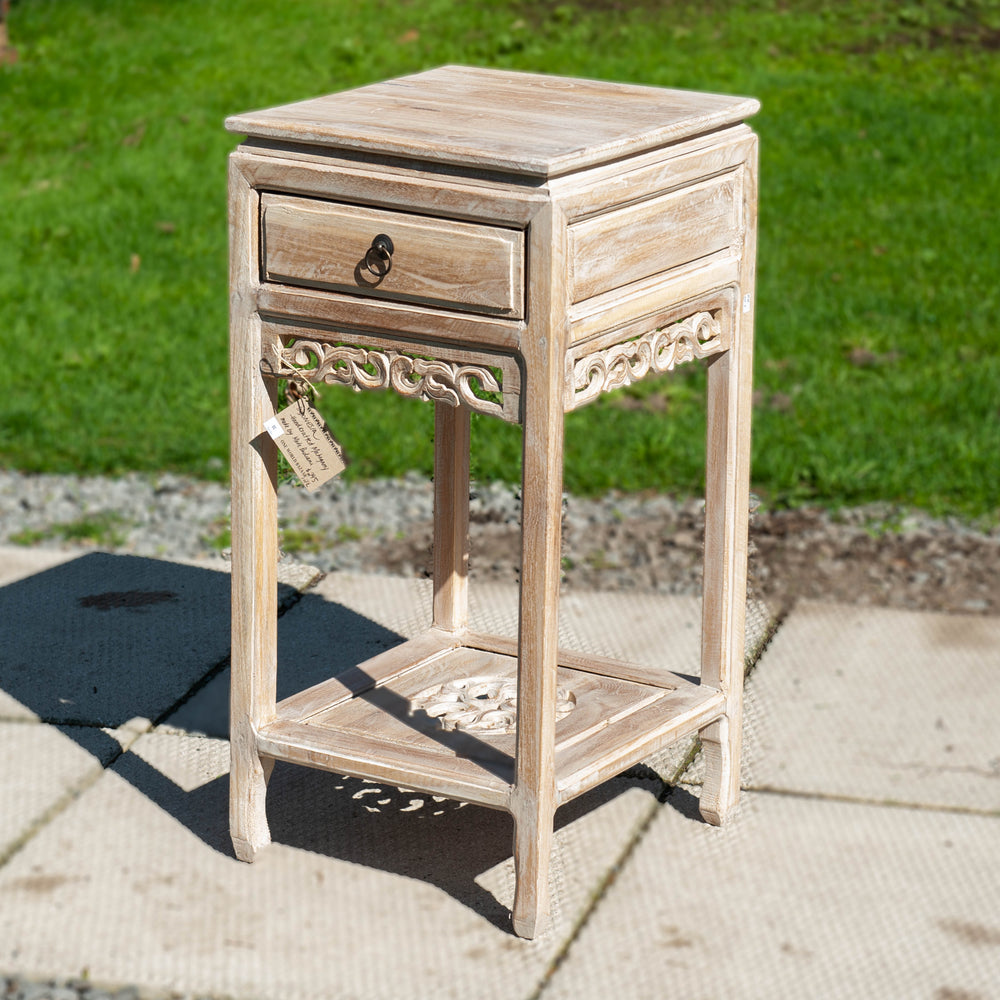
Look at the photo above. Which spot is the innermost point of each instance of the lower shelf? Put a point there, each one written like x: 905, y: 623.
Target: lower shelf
x: 435, y: 714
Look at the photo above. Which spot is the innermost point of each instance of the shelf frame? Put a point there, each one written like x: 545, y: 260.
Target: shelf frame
x: 666, y: 708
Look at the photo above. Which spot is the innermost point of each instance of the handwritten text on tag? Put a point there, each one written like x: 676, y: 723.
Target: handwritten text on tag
x: 305, y: 440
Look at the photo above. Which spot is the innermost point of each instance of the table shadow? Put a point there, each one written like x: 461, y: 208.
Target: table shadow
x: 103, y: 639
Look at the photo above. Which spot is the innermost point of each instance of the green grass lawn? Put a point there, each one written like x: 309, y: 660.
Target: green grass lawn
x: 877, y: 373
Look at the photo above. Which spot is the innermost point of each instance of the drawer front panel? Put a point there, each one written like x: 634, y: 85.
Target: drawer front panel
x: 439, y: 262
x: 638, y: 241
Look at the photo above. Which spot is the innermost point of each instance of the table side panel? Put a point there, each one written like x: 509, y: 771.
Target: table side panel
x: 612, y: 186
x: 654, y: 235
x: 645, y: 305
x: 660, y: 231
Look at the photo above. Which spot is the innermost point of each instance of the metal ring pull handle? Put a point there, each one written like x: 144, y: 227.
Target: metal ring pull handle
x: 378, y: 259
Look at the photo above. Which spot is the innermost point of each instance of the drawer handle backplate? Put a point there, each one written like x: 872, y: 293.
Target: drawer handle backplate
x: 378, y: 258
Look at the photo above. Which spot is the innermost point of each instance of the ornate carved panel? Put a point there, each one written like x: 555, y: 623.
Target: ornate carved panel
x: 374, y: 368
x: 661, y: 350
x: 480, y: 704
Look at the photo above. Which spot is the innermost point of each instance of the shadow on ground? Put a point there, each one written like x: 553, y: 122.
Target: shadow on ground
x: 104, y: 639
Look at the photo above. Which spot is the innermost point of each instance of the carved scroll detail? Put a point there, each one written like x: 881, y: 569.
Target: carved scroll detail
x: 698, y: 336
x: 421, y: 378
x: 480, y: 704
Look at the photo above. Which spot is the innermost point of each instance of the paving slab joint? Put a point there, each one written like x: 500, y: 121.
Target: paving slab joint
x: 10, y: 850
x: 751, y: 659
x: 756, y: 653
x: 678, y: 776
x: 288, y: 596
x: 130, y: 732
x: 598, y: 894
x: 878, y: 803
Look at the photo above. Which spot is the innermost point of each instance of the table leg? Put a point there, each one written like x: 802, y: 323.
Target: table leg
x: 533, y: 802
x: 255, y: 542
x: 724, y: 611
x: 451, y: 516
x: 254, y: 624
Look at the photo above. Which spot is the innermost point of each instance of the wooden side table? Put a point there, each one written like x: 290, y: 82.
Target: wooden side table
x: 516, y: 245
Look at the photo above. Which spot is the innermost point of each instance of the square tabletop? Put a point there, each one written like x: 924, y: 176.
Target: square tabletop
x: 526, y: 124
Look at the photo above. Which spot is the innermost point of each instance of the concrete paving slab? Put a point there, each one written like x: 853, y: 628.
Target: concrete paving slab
x: 97, y: 639
x: 882, y: 704
x: 103, y: 638
x: 366, y: 891
x: 17, y: 562
x: 797, y: 898
x: 630, y: 625
x: 45, y: 764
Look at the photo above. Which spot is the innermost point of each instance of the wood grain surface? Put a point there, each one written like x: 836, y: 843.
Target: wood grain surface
x: 570, y: 236
x: 521, y: 123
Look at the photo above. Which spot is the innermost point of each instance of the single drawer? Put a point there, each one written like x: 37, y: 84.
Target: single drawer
x: 438, y: 262
x: 653, y: 236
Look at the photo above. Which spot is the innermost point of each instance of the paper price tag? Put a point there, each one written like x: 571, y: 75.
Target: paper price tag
x: 305, y: 440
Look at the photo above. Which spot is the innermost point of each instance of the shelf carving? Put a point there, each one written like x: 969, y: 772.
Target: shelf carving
x: 661, y: 350
x: 409, y: 375
x: 486, y: 705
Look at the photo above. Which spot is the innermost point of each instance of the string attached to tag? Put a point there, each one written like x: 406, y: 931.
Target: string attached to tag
x: 297, y: 388
x: 296, y: 385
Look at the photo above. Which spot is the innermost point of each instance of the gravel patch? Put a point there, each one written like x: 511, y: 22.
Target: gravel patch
x: 21, y: 988
x: 876, y: 554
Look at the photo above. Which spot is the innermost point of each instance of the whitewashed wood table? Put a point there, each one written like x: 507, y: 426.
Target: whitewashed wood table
x: 514, y: 245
